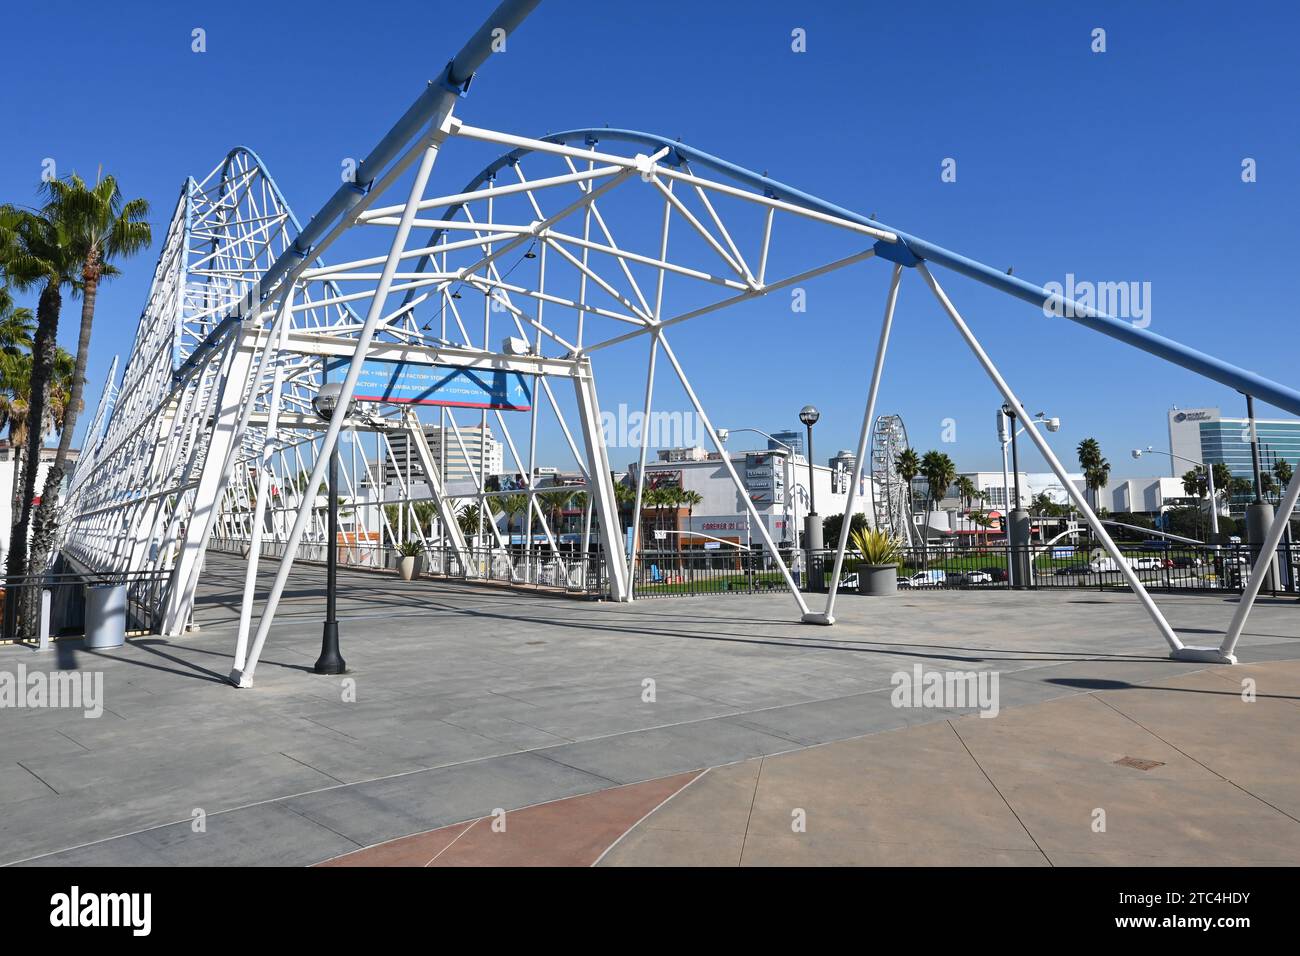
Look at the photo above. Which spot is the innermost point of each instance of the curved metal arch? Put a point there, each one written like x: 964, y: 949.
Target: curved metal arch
x: 911, y: 249
x: 265, y: 172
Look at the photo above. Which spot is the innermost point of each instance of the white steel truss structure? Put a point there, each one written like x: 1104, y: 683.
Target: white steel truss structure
x: 561, y: 248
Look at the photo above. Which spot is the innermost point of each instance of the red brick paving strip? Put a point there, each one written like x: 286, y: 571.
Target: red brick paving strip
x: 574, y: 831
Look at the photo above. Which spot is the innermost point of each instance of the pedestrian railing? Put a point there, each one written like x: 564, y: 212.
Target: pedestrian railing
x: 675, y: 573
x: 540, y: 569
x: 1174, y: 568
x: 54, y: 603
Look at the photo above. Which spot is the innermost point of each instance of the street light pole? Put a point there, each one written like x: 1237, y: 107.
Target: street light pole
x: 1209, y: 484
x: 330, y: 660
x: 813, y: 526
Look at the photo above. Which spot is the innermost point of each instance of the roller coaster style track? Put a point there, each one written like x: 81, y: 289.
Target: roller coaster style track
x: 560, y: 248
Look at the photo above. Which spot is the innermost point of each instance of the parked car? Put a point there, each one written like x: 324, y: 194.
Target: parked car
x: 998, y: 575
x: 977, y: 577
x: 1145, y: 564
x: 1074, y: 569
x: 924, y: 579
x: 1184, y: 561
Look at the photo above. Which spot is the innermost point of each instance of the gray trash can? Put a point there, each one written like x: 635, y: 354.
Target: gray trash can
x: 105, y: 615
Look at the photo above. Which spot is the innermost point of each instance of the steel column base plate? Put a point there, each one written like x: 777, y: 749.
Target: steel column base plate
x: 1205, y: 655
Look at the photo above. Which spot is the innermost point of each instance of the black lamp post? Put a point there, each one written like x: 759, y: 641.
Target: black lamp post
x: 1010, y: 412
x: 809, y: 415
x: 330, y: 661
x: 812, y: 524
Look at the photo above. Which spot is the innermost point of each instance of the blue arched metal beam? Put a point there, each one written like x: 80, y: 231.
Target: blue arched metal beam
x: 452, y: 82
x: 1189, y: 358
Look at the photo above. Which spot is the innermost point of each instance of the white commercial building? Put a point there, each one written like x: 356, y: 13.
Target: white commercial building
x: 777, y: 485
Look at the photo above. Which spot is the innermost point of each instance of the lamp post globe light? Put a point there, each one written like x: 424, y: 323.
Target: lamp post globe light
x: 331, y: 661
x: 812, y: 523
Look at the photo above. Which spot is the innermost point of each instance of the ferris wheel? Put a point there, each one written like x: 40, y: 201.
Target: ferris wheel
x: 889, y: 491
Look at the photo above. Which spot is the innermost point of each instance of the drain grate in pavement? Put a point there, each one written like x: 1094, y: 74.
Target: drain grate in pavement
x: 1137, y: 763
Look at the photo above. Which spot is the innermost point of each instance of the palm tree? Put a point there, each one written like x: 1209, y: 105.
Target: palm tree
x: 939, y: 473
x: 690, y: 499
x: 553, y: 503
x: 981, y: 520
x: 16, y: 325
x: 1283, y: 472
x: 512, y: 506
x: 100, y: 227
x: 467, y: 518
x: 36, y: 252
x: 654, y: 499
x: 1223, y: 483
x: 1194, y: 483
x: 966, y: 490
x: 1095, y: 468
x: 625, y: 499
x: 908, y: 466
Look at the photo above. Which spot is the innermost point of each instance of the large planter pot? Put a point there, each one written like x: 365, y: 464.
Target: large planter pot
x: 877, y: 580
x: 406, y: 567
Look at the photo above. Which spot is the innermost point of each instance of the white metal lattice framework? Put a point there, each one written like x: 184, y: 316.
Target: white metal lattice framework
x: 562, y: 248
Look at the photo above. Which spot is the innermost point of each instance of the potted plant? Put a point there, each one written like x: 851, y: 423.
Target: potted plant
x: 881, y: 555
x: 406, y: 564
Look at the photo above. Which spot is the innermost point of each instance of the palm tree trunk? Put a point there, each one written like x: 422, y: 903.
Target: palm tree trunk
x: 44, y: 348
x: 46, y: 523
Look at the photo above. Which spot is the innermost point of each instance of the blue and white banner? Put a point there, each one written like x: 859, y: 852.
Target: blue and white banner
x: 413, y: 383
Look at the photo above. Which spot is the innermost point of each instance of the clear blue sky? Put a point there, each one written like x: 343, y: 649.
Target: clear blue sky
x: 1120, y: 166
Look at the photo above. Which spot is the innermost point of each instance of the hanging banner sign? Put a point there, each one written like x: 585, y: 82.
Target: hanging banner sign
x: 412, y: 383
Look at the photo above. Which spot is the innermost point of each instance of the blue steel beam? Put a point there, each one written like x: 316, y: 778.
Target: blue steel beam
x: 453, y: 81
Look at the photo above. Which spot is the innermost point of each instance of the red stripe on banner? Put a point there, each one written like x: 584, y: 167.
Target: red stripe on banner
x: 407, y: 401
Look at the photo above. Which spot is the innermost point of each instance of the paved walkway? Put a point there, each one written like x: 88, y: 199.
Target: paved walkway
x: 462, y: 700
x: 1185, y: 771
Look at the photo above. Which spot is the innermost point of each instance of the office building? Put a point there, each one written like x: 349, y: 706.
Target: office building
x: 1205, y: 435
x: 459, y: 466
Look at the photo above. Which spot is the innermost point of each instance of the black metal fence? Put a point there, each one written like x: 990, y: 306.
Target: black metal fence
x: 1174, y: 568
x: 665, y: 573
x: 24, y: 607
x: 682, y: 573
x: 542, y: 569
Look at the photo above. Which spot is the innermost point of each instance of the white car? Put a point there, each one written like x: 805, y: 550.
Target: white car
x: 924, y: 579
x: 1145, y: 564
x: 977, y: 577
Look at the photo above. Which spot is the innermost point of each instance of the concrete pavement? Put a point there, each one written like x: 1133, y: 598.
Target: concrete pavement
x: 463, y: 699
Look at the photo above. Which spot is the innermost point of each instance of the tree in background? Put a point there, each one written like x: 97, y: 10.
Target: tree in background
x: 1283, y: 471
x: 36, y: 252
x: 1095, y: 468
x: 16, y: 325
x: 1195, y: 484
x: 1223, y: 483
x: 939, y: 472
x: 908, y: 466
x: 553, y: 504
x: 15, y: 405
x: 467, y: 518
x: 966, y: 490
x: 100, y: 227
x: 832, y: 525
